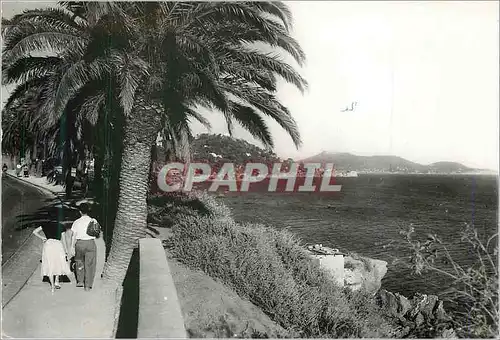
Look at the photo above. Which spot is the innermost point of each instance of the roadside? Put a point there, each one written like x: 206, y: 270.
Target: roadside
x: 40, y: 182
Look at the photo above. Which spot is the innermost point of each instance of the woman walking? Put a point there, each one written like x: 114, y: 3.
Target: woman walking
x: 53, y: 255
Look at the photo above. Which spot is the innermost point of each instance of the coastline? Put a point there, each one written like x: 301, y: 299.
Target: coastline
x: 430, y: 174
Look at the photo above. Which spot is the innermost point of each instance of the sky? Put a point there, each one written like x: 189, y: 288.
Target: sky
x: 425, y: 76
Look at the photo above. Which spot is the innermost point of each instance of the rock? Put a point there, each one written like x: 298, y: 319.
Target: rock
x: 364, y: 273
x: 440, y: 313
x: 395, y: 304
x: 448, y: 334
x: 419, y: 320
x: 353, y: 279
x: 404, y: 304
x: 420, y: 316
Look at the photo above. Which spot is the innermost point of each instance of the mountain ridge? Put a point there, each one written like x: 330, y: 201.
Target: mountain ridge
x: 346, y: 161
x: 217, y: 148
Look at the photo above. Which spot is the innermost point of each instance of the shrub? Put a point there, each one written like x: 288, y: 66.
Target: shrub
x: 272, y: 270
x: 474, y: 292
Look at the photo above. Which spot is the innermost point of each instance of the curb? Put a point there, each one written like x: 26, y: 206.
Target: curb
x: 4, y: 304
x: 36, y: 185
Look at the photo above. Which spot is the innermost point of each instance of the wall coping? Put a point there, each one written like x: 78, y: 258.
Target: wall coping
x: 160, y: 314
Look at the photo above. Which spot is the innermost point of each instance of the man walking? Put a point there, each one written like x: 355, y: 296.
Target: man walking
x: 84, y: 248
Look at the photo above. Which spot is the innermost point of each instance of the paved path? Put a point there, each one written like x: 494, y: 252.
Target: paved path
x: 70, y: 312
x: 37, y: 313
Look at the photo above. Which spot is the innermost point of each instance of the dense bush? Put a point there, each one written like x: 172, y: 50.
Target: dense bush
x: 267, y: 266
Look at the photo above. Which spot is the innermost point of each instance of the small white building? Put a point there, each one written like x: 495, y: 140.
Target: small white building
x: 330, y: 259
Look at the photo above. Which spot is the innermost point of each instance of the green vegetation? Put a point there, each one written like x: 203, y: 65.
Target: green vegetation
x: 213, y: 310
x: 266, y: 266
x: 474, y: 293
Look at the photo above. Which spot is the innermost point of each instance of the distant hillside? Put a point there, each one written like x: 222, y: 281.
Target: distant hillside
x: 347, y: 162
x: 219, y: 148
x: 448, y: 167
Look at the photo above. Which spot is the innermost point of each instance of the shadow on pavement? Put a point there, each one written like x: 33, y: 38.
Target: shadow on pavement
x: 54, y: 210
x: 129, y: 310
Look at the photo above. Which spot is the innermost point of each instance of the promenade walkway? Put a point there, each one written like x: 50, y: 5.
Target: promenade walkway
x: 70, y: 312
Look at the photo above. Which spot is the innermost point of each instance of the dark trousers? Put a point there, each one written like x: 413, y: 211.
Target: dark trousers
x: 85, y: 259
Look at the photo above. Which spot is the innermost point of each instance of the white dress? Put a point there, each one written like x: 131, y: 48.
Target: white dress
x: 54, y: 259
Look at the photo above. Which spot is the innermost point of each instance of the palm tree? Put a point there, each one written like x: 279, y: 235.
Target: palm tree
x: 166, y: 60
x: 25, y: 110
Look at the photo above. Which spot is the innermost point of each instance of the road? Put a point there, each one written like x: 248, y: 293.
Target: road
x: 20, y: 203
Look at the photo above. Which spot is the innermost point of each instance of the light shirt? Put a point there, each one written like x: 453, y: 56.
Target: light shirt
x: 79, y: 227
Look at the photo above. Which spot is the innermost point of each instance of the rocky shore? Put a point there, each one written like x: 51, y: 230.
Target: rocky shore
x: 364, y: 273
x: 420, y: 316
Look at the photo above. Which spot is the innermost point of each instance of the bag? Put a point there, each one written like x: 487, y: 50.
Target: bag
x: 72, y: 265
x: 94, y: 229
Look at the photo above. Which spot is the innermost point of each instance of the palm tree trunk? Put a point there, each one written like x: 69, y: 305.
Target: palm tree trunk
x: 130, y: 223
x: 45, y: 149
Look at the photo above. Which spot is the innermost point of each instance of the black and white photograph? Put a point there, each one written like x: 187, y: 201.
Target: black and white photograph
x: 250, y: 169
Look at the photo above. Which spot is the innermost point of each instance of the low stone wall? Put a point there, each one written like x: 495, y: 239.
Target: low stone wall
x: 160, y: 314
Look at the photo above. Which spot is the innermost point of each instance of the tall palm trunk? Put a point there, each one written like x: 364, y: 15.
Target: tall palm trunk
x: 45, y: 148
x: 130, y: 223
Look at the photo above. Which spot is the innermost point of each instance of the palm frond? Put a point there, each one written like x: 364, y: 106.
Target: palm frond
x: 75, y: 78
x: 91, y: 107
x: 249, y: 119
x: 268, y: 61
x: 205, y: 122
x: 40, y: 41
x: 27, y: 68
x: 55, y: 17
x: 275, y: 8
x: 269, y: 105
x: 130, y: 73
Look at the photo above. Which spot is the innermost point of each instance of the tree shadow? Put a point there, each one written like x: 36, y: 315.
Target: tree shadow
x: 54, y: 211
x: 129, y: 310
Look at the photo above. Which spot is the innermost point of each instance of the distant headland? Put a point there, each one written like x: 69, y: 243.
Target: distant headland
x: 217, y: 148
x: 391, y: 164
